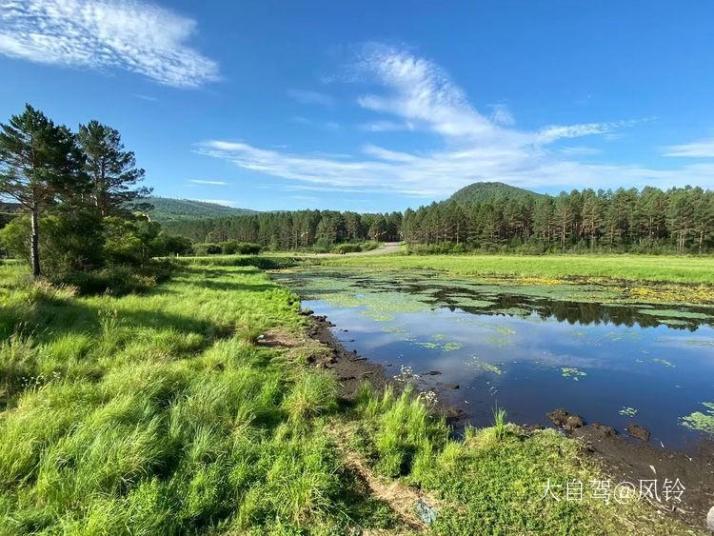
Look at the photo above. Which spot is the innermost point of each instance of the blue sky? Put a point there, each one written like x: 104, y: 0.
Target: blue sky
x: 375, y: 106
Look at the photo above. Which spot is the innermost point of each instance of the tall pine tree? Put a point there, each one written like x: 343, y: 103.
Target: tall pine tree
x: 40, y: 163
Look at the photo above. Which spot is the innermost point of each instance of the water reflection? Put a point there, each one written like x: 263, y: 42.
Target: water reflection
x: 524, y: 349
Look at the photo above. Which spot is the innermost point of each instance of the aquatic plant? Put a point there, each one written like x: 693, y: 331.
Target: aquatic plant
x: 485, y: 366
x: 499, y: 422
x: 703, y: 422
x: 572, y: 372
x: 628, y: 411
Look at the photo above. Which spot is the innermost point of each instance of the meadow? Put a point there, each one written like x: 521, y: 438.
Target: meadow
x: 166, y: 413
x: 629, y: 268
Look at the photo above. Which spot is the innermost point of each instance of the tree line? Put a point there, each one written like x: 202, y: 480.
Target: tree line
x: 650, y: 220
x: 319, y: 230
x: 75, y: 191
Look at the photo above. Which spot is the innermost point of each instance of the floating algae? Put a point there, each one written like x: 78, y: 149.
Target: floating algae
x: 470, y: 302
x: 627, y: 411
x: 572, y: 372
x: 704, y: 422
x: 485, y: 366
x: 674, y: 313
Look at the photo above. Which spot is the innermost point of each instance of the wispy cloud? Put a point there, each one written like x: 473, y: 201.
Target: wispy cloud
x: 208, y: 183
x: 580, y: 150
x: 501, y: 115
x: 102, y: 34
x: 147, y: 98
x: 224, y: 202
x: 385, y: 125
x: 304, y: 96
x: 697, y: 149
x: 469, y: 145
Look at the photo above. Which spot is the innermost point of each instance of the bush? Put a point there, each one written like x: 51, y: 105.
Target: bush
x: 229, y: 247
x: 442, y: 248
x: 165, y: 245
x: 201, y: 250
x: 69, y: 241
x: 248, y: 248
x: 347, y: 248
x: 117, y: 280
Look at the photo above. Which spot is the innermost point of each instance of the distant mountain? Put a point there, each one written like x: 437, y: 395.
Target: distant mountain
x: 8, y: 207
x: 479, y: 192
x: 167, y: 209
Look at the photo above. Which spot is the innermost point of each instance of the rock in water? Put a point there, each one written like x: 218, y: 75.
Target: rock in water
x: 565, y: 420
x: 638, y: 432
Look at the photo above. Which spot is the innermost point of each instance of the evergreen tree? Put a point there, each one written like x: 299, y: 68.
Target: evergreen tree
x: 40, y: 163
x: 111, y: 168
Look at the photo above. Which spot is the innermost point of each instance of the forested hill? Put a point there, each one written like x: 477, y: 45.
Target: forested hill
x: 482, y: 192
x: 510, y: 219
x: 493, y: 217
x: 166, y: 209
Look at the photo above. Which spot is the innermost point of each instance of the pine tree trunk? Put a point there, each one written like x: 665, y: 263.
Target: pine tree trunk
x: 35, y: 242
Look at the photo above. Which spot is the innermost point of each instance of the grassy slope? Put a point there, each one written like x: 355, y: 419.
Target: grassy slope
x: 646, y: 268
x: 159, y: 414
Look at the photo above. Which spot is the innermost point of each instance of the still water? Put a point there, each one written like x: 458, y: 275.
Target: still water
x: 525, y: 349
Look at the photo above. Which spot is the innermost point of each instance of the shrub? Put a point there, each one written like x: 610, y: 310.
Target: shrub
x: 435, y: 249
x: 208, y: 248
x: 117, y: 280
x: 69, y: 241
x: 347, y: 248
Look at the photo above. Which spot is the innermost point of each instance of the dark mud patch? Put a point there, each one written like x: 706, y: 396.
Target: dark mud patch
x: 350, y: 369
x: 632, y: 460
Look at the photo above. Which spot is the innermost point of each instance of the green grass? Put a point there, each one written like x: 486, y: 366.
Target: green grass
x: 160, y: 414
x: 675, y: 269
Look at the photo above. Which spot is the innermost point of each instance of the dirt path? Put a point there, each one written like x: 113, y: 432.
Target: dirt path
x: 384, y: 249
x: 402, y: 499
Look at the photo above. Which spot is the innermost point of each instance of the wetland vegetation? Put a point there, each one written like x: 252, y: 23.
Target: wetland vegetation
x: 164, y: 413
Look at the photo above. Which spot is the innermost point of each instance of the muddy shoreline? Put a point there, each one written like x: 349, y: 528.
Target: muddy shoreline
x: 623, y: 459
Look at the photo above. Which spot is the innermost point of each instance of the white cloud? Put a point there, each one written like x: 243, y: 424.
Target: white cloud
x: 311, y: 97
x: 697, y: 149
x: 224, y: 202
x: 208, y: 183
x: 100, y: 34
x: 502, y: 115
x: 470, y: 146
x: 386, y: 126
x: 580, y: 150
x: 147, y: 98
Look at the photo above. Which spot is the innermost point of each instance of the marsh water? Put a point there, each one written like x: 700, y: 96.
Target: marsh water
x: 528, y: 348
